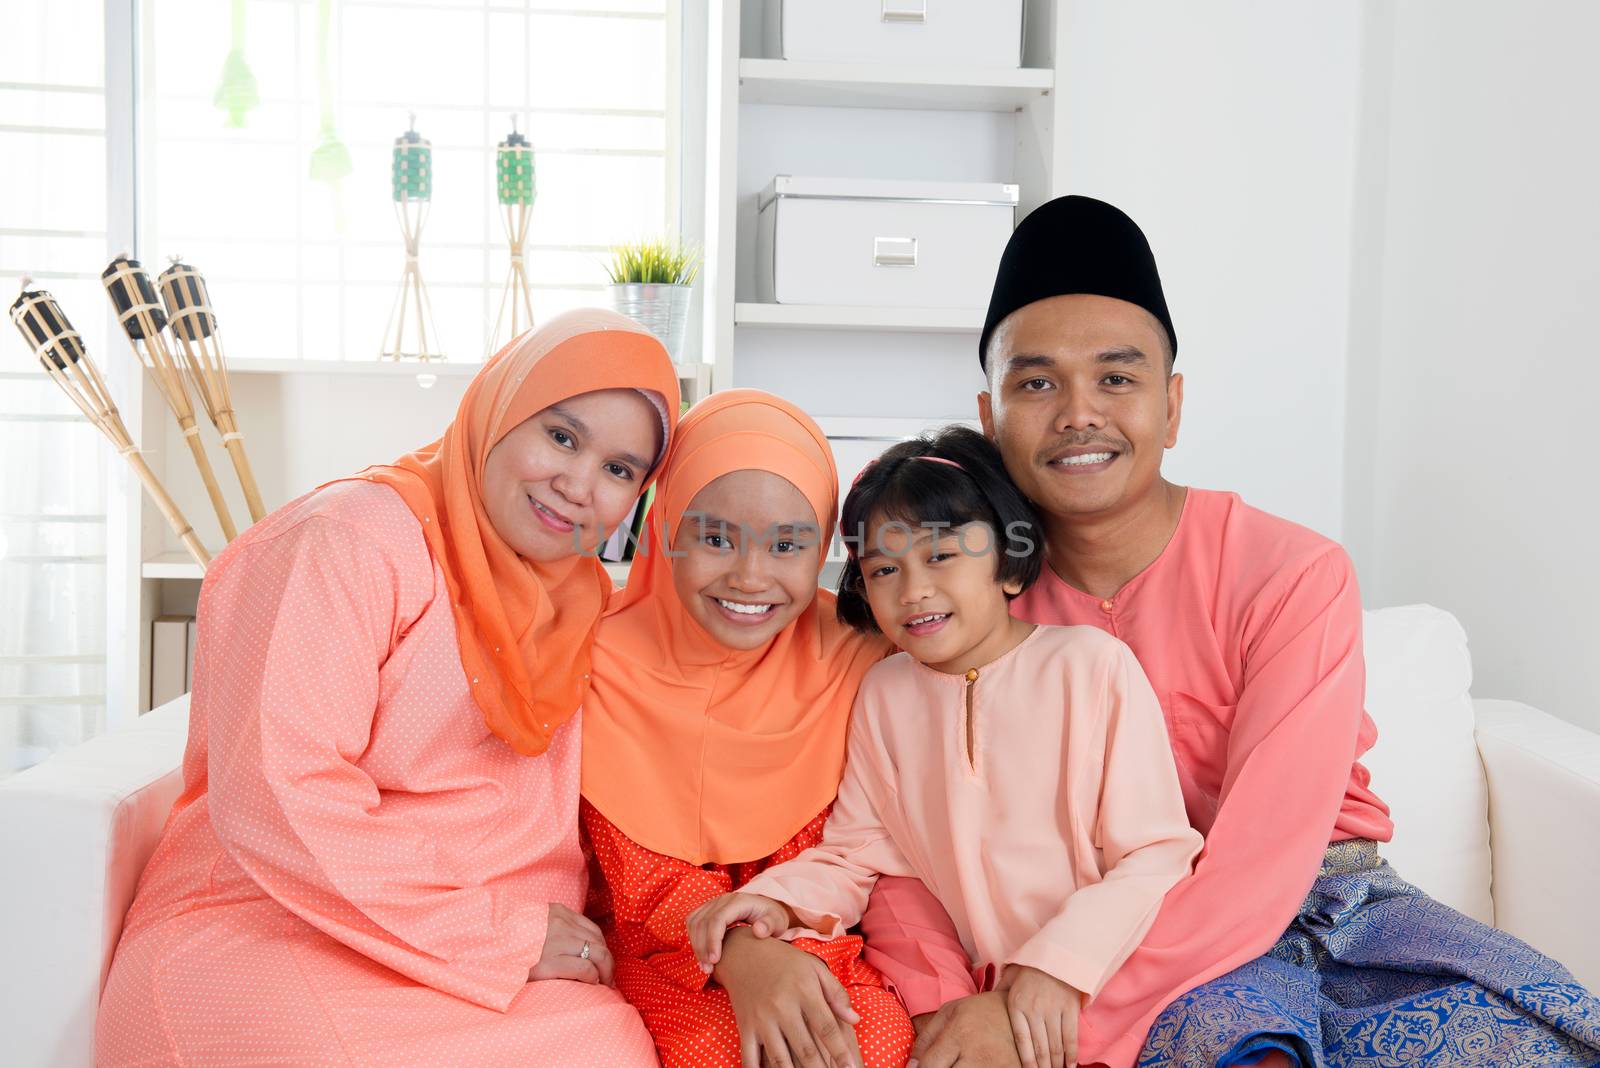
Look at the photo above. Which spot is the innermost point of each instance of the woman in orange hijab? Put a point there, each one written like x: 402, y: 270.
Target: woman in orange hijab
x: 714, y: 738
x: 375, y: 860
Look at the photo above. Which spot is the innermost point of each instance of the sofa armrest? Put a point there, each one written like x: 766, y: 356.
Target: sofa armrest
x: 1544, y: 823
x: 75, y: 834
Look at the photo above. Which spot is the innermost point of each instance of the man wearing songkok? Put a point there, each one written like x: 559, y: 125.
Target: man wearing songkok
x: 1293, y: 942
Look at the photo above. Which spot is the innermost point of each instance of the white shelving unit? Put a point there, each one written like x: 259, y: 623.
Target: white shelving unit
x: 180, y: 565
x: 369, y: 368
x: 171, y: 565
x: 776, y: 81
x: 842, y: 317
x: 767, y: 116
x: 871, y: 375
x: 692, y: 377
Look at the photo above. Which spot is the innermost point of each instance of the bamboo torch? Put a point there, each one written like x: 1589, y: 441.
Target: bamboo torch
x: 61, y: 351
x: 412, y: 174
x: 194, y: 324
x: 139, y: 311
x: 515, y: 186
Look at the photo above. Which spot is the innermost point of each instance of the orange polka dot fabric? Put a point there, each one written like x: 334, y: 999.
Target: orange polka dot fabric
x: 642, y: 900
x: 358, y: 872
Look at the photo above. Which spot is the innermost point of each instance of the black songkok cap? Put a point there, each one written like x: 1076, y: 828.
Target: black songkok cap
x: 1076, y: 245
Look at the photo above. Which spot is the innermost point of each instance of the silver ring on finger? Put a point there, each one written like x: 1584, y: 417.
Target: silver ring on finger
x: 583, y: 954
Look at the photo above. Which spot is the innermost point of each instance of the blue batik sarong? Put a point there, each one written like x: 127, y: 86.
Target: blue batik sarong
x: 1373, y: 973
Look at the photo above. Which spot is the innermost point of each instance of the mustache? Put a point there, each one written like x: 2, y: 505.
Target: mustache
x: 1081, y: 441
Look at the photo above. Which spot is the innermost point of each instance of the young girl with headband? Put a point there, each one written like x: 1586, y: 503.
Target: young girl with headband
x: 1022, y: 772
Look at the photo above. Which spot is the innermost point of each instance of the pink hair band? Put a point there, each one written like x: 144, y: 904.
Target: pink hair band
x: 870, y: 464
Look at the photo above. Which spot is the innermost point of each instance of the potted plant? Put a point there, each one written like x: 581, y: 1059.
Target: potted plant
x: 650, y: 283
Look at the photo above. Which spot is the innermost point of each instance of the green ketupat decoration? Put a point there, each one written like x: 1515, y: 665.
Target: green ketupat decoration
x: 330, y: 160
x: 237, y: 92
x: 412, y: 180
x: 515, y: 187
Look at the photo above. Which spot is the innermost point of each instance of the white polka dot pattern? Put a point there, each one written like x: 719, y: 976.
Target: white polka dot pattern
x: 642, y: 900
x: 359, y: 872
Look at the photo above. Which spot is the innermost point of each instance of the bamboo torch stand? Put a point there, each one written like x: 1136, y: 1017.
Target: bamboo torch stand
x: 412, y: 174
x: 194, y: 324
x: 142, y: 319
x: 61, y: 352
x: 515, y: 187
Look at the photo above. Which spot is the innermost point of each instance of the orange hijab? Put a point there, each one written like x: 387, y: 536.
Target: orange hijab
x: 693, y: 749
x: 524, y: 628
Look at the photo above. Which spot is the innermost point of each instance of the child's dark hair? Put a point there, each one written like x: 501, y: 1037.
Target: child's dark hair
x: 970, y: 486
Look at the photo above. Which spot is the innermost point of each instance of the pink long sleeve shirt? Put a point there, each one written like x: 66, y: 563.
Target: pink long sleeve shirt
x: 1249, y: 629
x: 1050, y: 839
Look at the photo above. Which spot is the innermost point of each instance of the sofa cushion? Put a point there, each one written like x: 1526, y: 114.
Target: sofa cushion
x: 1425, y: 764
x: 81, y: 826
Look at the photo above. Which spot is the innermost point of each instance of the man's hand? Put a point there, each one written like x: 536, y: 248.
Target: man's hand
x: 1044, y: 1017
x: 573, y: 949
x: 791, y: 1011
x: 709, y: 923
x: 976, y: 1030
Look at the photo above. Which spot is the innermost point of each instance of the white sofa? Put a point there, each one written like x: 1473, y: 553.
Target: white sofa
x: 1497, y: 804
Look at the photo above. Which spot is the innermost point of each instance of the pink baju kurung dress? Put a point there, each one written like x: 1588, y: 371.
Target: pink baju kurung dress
x: 1035, y: 797
x: 359, y: 871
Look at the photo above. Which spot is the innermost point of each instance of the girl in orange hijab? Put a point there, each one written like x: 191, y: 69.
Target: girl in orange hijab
x: 375, y: 859
x: 714, y: 738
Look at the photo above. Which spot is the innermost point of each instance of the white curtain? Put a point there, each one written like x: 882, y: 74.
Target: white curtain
x: 52, y: 570
x: 52, y: 462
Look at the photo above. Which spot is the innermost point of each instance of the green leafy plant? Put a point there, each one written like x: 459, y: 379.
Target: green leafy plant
x: 657, y: 261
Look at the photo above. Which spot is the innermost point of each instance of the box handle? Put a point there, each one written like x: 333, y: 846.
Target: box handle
x: 894, y: 252
x: 905, y: 11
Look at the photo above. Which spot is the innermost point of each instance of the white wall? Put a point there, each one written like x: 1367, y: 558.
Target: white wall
x: 1476, y: 371
x: 1228, y: 130
x: 1379, y: 229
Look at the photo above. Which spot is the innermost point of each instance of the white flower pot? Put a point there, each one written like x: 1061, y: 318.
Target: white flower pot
x: 661, y: 309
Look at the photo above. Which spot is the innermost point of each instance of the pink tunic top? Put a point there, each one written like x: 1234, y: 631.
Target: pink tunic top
x: 359, y: 868
x: 1249, y: 628
x: 1050, y: 841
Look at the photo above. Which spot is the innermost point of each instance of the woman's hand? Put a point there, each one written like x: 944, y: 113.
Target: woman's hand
x: 574, y: 949
x: 791, y: 1011
x: 1044, y: 1017
x: 709, y: 923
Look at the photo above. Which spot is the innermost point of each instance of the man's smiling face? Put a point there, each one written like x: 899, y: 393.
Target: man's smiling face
x: 1080, y: 402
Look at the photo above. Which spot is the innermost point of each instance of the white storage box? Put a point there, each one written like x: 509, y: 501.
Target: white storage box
x: 971, y: 33
x: 875, y: 243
